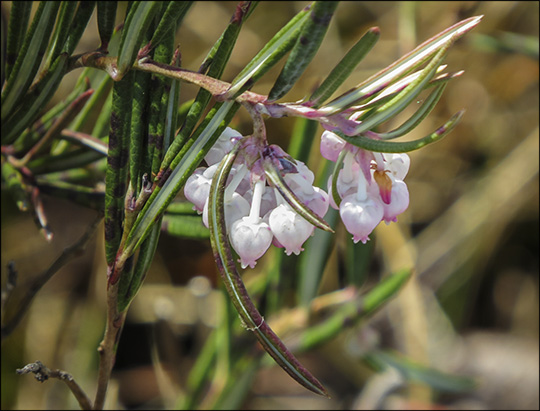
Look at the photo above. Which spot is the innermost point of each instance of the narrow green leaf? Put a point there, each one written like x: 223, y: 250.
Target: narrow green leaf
x: 345, y: 67
x: 382, y: 146
x: 405, y: 64
x: 61, y: 32
x: 335, y: 174
x: 106, y: 17
x: 64, y: 161
x: 137, y: 22
x: 18, y: 23
x: 80, y: 21
x: 161, y: 94
x: 32, y: 134
x: 29, y: 58
x: 131, y: 284
x: 59, y: 124
x: 118, y: 165
x: 85, y: 196
x: 249, y: 314
x: 427, y: 106
x: 138, y: 128
x: 101, y: 82
x: 34, y: 101
x: 307, y: 44
x: 269, y: 55
x: 274, y: 176
x: 402, y: 100
x: 173, y: 15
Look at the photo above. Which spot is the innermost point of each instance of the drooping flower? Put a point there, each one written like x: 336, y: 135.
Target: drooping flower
x: 370, y: 186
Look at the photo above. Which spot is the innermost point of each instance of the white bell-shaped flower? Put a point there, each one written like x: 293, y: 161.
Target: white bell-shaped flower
x: 290, y: 229
x: 399, y: 203
x: 331, y: 145
x: 197, y: 189
x: 360, y: 217
x: 222, y: 146
x: 250, y: 239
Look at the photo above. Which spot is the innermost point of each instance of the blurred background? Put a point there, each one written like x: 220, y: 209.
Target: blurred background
x: 471, y: 231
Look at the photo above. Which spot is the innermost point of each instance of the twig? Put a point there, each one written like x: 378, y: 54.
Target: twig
x: 107, y: 347
x: 67, y: 255
x: 42, y: 373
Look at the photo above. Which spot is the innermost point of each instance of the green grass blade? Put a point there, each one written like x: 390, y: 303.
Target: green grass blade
x: 307, y: 44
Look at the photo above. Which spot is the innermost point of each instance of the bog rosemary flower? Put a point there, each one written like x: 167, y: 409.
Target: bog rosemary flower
x: 370, y: 185
x: 256, y: 214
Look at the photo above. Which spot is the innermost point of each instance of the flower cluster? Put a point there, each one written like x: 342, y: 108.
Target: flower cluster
x: 256, y: 214
x: 370, y: 185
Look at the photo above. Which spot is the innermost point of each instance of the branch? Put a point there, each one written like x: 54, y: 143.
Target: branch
x: 42, y: 373
x: 67, y: 255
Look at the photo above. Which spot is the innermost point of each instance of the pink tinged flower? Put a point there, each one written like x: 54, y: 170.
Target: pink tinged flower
x: 250, y: 239
x: 399, y: 203
x: 289, y: 228
x: 362, y: 211
x: 360, y: 217
x: 197, y: 189
x: 236, y: 207
x: 223, y: 145
x: 319, y: 202
x: 251, y: 236
x: 398, y: 164
x: 331, y: 145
